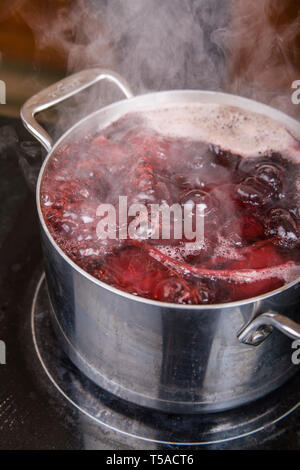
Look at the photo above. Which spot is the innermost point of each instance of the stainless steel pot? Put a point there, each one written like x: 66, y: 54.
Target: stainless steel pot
x: 174, y: 358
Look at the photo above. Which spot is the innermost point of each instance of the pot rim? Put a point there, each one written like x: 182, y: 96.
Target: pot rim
x: 167, y: 305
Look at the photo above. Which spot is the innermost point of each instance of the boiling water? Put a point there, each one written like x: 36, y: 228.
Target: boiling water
x: 241, y: 167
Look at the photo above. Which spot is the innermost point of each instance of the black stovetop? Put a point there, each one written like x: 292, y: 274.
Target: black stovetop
x: 34, y: 413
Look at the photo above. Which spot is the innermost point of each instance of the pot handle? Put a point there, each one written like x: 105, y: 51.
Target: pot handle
x: 259, y: 329
x: 61, y: 91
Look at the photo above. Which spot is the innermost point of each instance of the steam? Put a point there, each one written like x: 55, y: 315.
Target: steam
x: 263, y: 51
x: 244, y: 47
x: 155, y: 45
x: 168, y: 45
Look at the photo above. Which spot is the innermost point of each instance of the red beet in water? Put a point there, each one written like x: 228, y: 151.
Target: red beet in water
x: 251, y: 219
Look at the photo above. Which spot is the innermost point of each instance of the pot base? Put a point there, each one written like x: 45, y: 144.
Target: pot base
x: 135, y: 422
x: 166, y: 406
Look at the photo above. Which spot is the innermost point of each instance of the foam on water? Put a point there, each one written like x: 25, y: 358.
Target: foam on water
x: 239, y: 131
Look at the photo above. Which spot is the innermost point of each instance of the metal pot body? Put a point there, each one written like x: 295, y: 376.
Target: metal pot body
x: 165, y: 356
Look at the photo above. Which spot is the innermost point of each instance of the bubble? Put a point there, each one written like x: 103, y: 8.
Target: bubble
x: 205, y: 294
x: 271, y: 175
x: 196, y: 197
x: 173, y: 290
x: 281, y: 226
x: 254, y: 191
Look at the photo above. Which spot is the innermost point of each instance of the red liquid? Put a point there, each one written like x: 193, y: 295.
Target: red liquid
x: 251, y: 223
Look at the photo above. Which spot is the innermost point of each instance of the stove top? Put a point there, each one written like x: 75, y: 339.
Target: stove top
x: 45, y: 402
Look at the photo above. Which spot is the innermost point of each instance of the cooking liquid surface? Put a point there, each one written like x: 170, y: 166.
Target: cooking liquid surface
x: 251, y: 213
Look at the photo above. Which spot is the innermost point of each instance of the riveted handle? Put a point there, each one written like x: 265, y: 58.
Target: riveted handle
x: 61, y: 91
x: 259, y: 329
